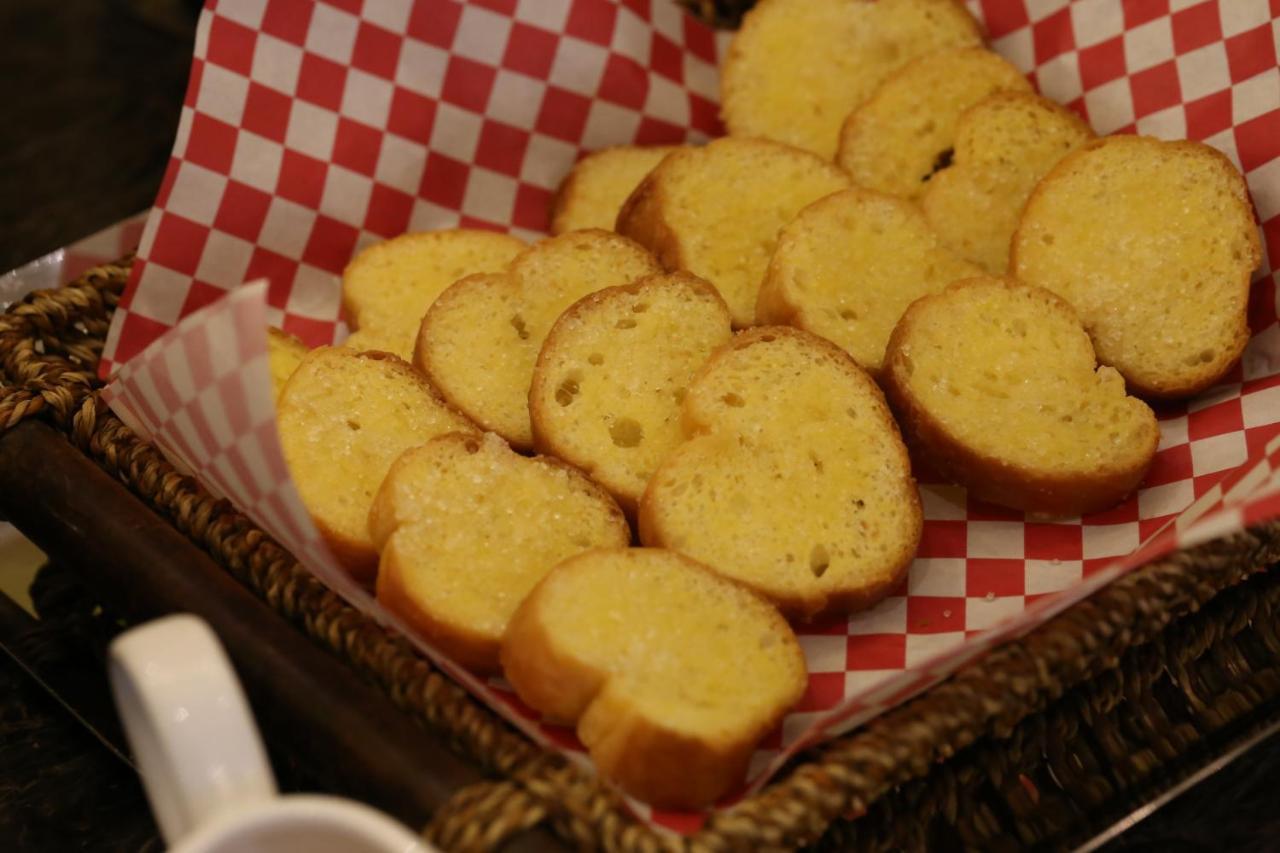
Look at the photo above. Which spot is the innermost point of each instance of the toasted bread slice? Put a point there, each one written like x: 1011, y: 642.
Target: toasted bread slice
x: 593, y: 192
x: 284, y: 353
x: 904, y: 132
x: 849, y: 265
x: 466, y: 528
x: 1004, y: 146
x: 1154, y: 244
x: 343, y: 418
x: 671, y: 673
x: 608, y: 384
x: 716, y: 211
x: 480, y: 340
x: 794, y: 480
x: 797, y: 68
x: 389, y: 286
x: 996, y: 385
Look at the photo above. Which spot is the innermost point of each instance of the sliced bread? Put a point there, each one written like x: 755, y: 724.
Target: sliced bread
x: 996, y: 385
x: 284, y: 353
x: 1154, y: 244
x: 896, y: 139
x: 466, y: 528
x: 794, y: 479
x: 480, y: 340
x: 1004, y: 146
x: 389, y: 286
x: 716, y: 211
x: 593, y: 192
x: 343, y: 418
x: 849, y: 265
x: 671, y: 673
x: 797, y: 68
x: 611, y: 374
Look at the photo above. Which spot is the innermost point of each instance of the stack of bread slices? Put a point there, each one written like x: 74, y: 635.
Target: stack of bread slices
x: 617, y: 464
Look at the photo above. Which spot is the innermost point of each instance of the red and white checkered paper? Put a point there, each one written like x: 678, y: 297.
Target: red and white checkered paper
x: 311, y: 129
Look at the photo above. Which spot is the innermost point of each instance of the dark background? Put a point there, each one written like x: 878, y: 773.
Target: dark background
x: 92, y: 91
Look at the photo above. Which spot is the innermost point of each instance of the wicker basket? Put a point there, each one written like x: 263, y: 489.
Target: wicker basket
x: 1035, y: 744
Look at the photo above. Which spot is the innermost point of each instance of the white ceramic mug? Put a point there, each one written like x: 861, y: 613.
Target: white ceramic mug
x: 202, y: 762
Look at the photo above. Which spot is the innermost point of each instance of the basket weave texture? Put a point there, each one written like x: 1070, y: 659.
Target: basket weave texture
x: 1016, y: 749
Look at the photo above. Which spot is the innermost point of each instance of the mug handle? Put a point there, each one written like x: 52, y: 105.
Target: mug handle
x: 188, y: 723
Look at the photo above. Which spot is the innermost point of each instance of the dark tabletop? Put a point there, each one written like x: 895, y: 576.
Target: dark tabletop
x: 92, y: 91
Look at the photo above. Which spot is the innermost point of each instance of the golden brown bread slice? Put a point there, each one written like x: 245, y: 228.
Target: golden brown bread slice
x: 996, y: 385
x: 343, y: 418
x: 716, y: 211
x: 671, y: 673
x: 388, y: 287
x: 1004, y: 146
x: 797, y: 68
x: 1153, y: 243
x: 466, y: 528
x: 899, y: 136
x: 849, y: 265
x: 611, y: 374
x: 593, y: 192
x: 794, y: 479
x: 284, y: 353
x: 480, y: 340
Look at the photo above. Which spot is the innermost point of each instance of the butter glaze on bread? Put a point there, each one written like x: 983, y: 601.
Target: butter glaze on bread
x: 388, y: 287
x: 796, y: 68
x: 716, y: 211
x: 996, y: 385
x: 343, y: 418
x: 608, y: 384
x: 671, y: 673
x: 1153, y: 243
x: 593, y: 192
x: 899, y: 136
x: 284, y: 353
x: 849, y: 265
x: 466, y: 528
x: 480, y: 340
x: 1004, y: 146
x: 794, y: 479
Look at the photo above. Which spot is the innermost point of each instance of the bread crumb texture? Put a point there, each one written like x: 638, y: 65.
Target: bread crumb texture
x: 1004, y: 146
x: 794, y: 480
x: 849, y: 265
x: 284, y: 353
x: 997, y: 384
x: 343, y: 419
x: 906, y: 130
x: 1154, y: 244
x: 672, y: 673
x: 480, y: 340
x: 594, y: 190
x: 716, y: 211
x: 608, y: 383
x: 466, y: 528
x: 797, y: 68
x: 388, y: 287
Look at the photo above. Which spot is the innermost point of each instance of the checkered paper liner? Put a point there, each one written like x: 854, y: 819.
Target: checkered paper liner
x: 312, y: 129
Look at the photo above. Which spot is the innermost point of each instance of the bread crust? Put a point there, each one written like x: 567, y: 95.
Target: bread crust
x: 819, y: 602
x: 640, y: 219
x: 568, y: 188
x: 991, y: 478
x: 647, y: 758
x: 1195, y: 381
x: 547, y: 440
